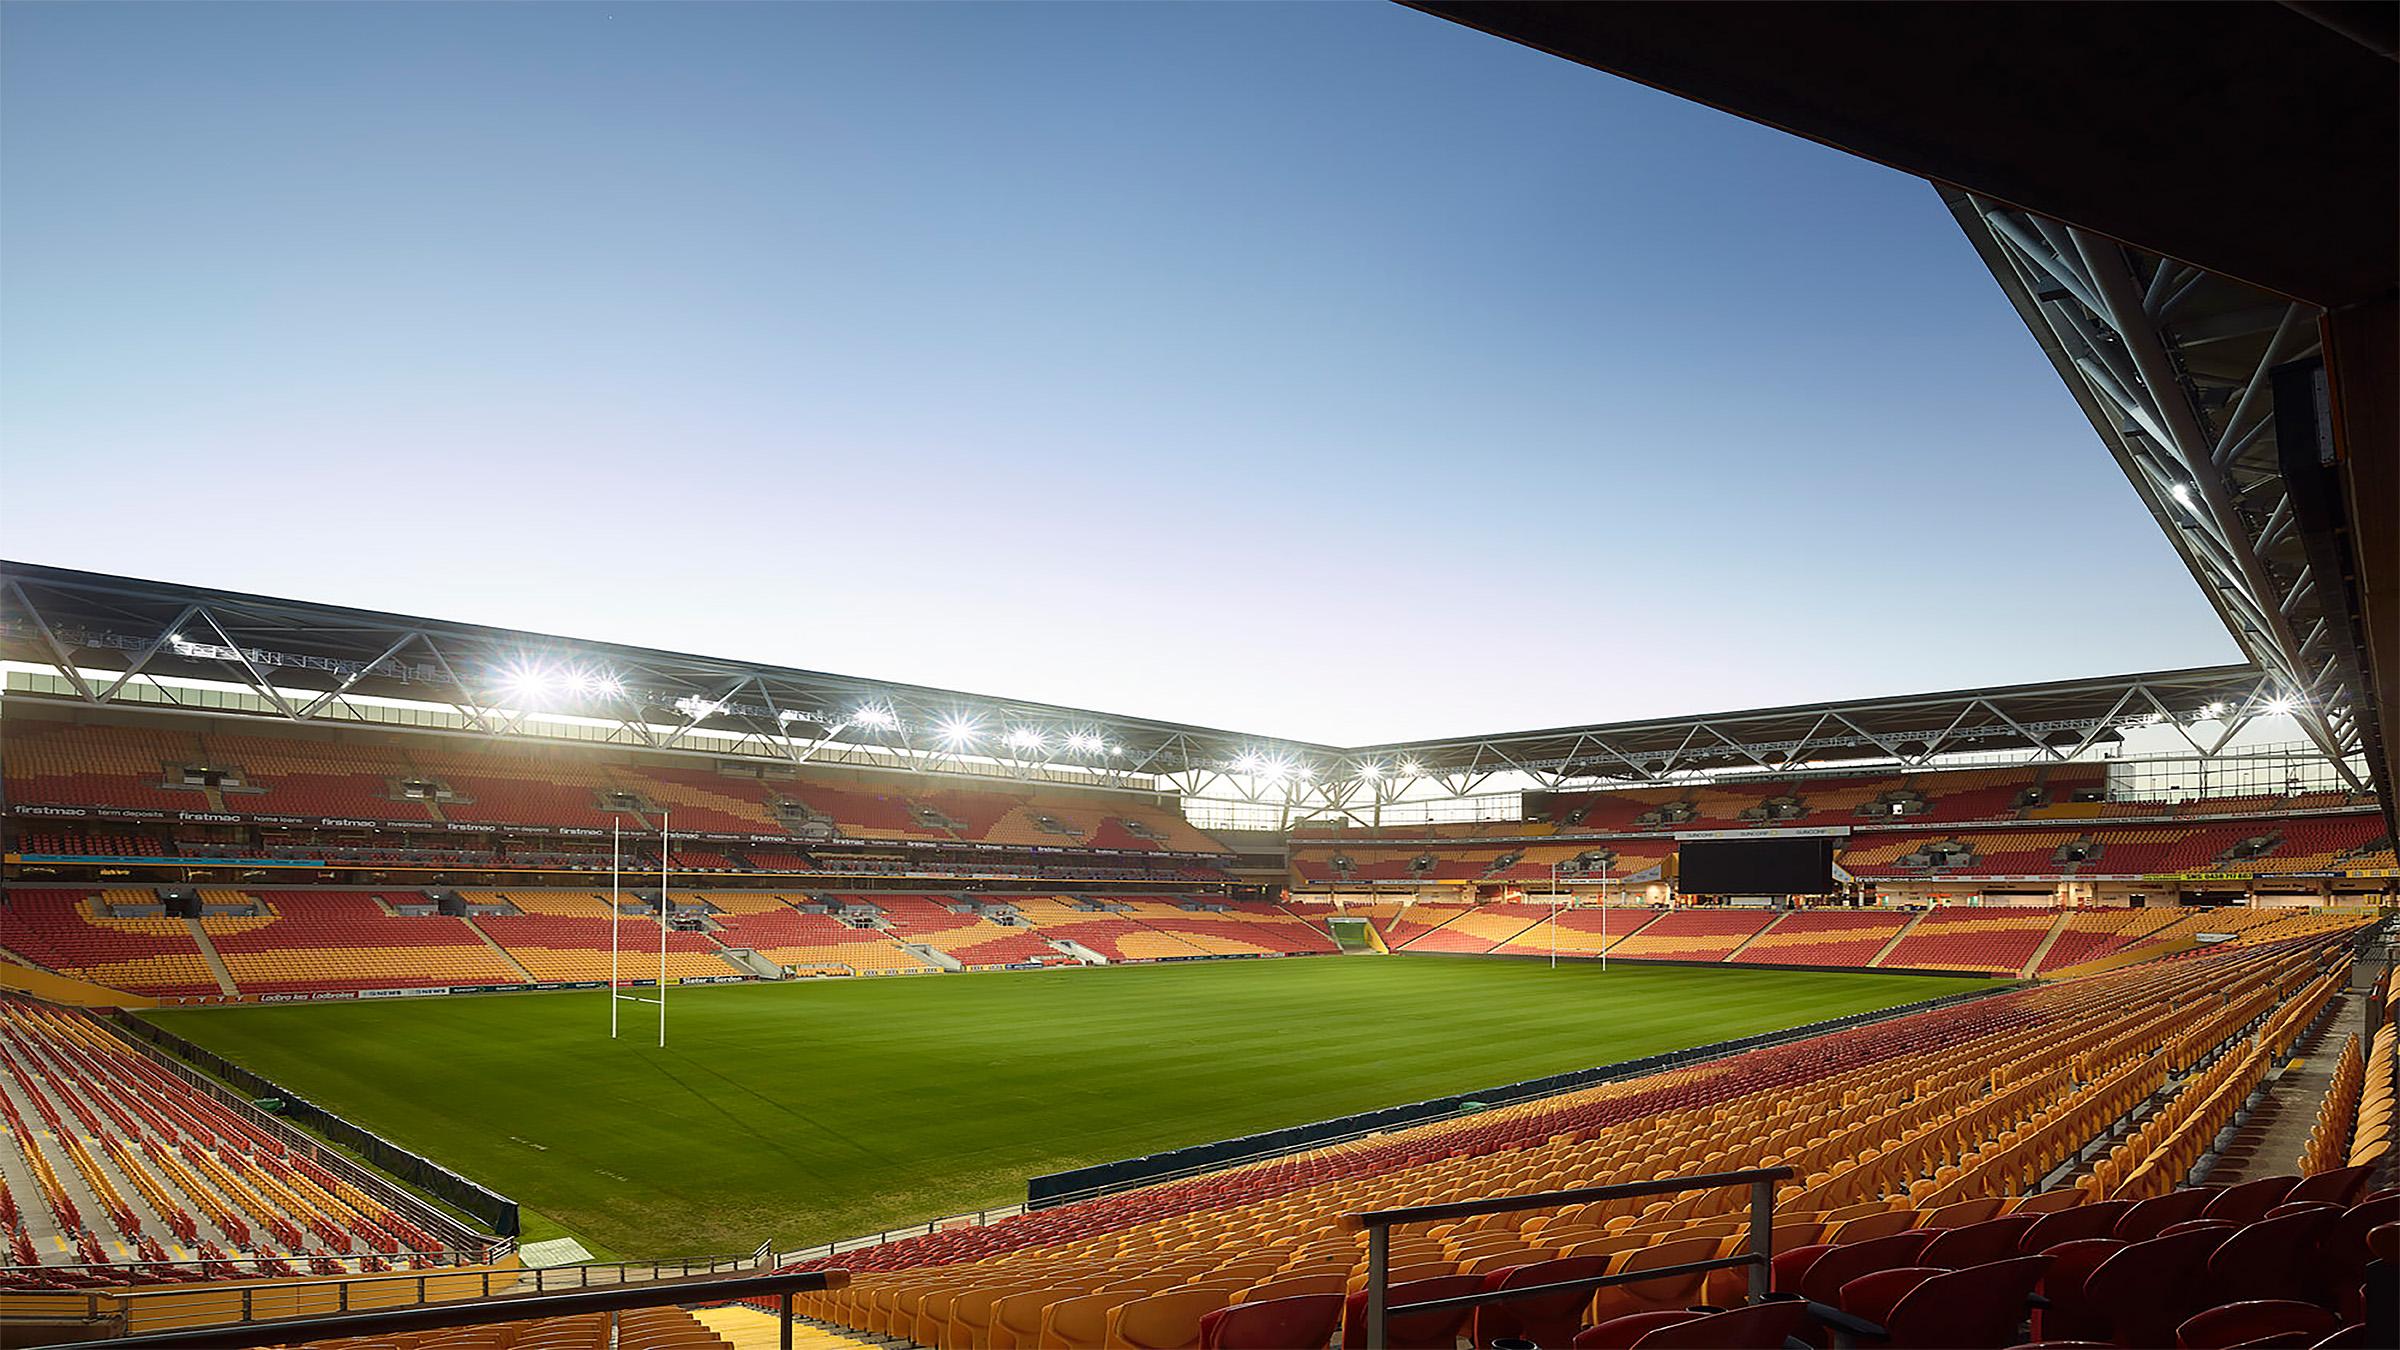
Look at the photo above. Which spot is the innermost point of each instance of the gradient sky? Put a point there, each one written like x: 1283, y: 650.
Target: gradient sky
x: 1316, y: 370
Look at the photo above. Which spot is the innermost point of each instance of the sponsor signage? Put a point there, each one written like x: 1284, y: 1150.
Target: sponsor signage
x: 421, y: 991
x: 1786, y: 832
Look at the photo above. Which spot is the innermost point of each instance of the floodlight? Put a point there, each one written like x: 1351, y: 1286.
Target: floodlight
x: 958, y: 731
x: 526, y: 681
x: 1411, y: 767
x: 2281, y: 704
x: 1370, y: 772
x: 2213, y: 710
x: 1249, y: 762
x: 874, y: 715
x: 1116, y: 749
x: 1083, y: 742
x: 1026, y: 738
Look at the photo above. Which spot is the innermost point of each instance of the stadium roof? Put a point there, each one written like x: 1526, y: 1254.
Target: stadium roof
x: 310, y: 662
x: 2196, y: 222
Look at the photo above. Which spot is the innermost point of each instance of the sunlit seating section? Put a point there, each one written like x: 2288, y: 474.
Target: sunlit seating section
x: 1407, y: 920
x: 1824, y: 937
x: 564, y: 936
x: 800, y: 941
x: 131, y: 1162
x: 1117, y: 937
x: 1991, y: 941
x: 315, y: 776
x: 523, y: 785
x: 65, y: 764
x: 65, y: 931
x: 1580, y: 931
x: 1479, y: 929
x: 2091, y: 934
x: 1694, y: 934
x: 1924, y: 1125
x: 1225, y: 928
x: 353, y: 940
x: 699, y: 799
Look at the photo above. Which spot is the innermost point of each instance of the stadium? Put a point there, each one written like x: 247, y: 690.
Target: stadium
x: 382, y: 979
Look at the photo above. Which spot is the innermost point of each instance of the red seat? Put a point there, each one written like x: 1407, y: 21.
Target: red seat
x: 2283, y: 1321
x: 2271, y: 1259
x: 2070, y: 1314
x: 2147, y: 1289
x: 1551, y: 1319
x: 1761, y: 1326
x: 2149, y: 1218
x: 1977, y: 1243
x: 1304, y: 1320
x: 2337, y: 1187
x: 1790, y: 1264
x: 2249, y: 1201
x: 1823, y: 1280
x: 1981, y: 1305
x: 1620, y: 1333
x: 1418, y: 1331
x: 2342, y: 1247
x: 2071, y: 1225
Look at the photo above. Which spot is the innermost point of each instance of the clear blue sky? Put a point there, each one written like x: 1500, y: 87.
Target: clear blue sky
x: 1318, y: 370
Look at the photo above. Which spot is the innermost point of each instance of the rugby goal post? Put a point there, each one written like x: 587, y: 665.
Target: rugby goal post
x: 616, y: 913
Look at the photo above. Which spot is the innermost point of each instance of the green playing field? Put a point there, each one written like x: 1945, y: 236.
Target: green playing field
x: 809, y: 1111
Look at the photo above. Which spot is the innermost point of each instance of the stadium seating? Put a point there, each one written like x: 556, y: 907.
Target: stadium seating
x: 1695, y: 934
x: 131, y: 1162
x: 1824, y: 937
x: 1930, y: 1128
x: 560, y: 936
x: 320, y: 940
x: 65, y: 931
x: 1989, y: 941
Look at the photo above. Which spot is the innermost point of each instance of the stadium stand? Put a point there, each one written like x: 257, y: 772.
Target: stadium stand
x: 1695, y: 934
x: 1824, y: 937
x: 319, y: 940
x: 131, y: 1163
x: 563, y: 936
x: 1921, y: 1142
x: 67, y: 932
x: 1480, y: 929
x: 1987, y: 941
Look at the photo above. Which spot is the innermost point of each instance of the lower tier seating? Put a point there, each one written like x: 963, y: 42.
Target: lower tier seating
x: 1920, y: 1146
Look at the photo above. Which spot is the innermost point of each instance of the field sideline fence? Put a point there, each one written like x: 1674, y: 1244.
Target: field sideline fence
x: 495, y: 1211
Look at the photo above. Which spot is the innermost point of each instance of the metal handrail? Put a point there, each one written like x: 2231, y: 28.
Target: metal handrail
x: 1378, y: 1225
x: 521, y: 1308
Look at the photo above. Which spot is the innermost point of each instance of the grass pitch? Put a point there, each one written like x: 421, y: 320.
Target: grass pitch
x: 806, y: 1112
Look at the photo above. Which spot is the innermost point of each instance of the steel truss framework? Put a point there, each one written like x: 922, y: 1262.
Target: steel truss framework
x: 104, y: 636
x: 2173, y: 366
x: 311, y: 663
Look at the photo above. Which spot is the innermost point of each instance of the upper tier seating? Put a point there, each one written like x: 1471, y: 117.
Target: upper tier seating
x: 406, y: 779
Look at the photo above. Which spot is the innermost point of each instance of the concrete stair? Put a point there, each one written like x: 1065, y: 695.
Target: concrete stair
x: 208, y: 953
x: 1772, y: 925
x: 513, y: 963
x: 2042, y: 952
x: 1905, y: 929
